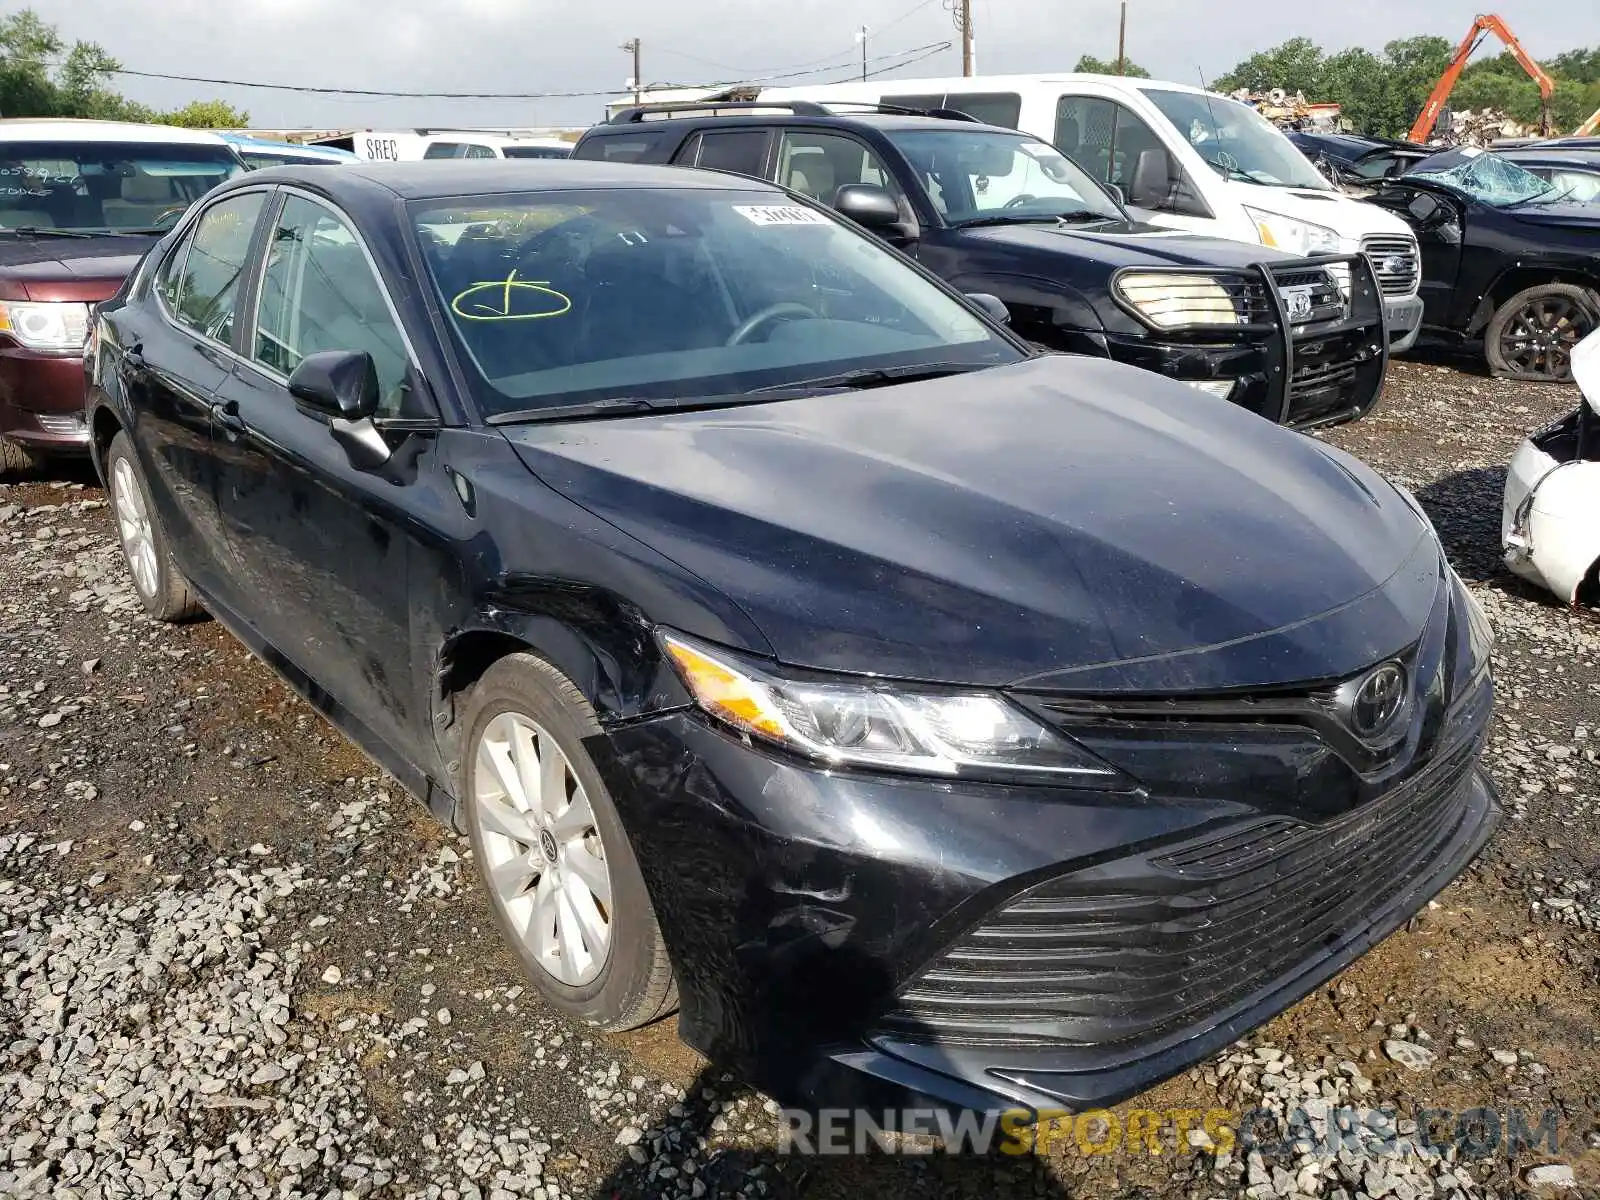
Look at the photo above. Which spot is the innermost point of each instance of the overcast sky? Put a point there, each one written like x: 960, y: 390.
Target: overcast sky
x: 537, y: 46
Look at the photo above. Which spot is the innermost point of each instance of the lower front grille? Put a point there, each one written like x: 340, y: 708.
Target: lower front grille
x: 1144, y: 947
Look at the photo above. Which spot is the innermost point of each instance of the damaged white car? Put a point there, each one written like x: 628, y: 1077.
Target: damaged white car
x: 1550, y: 523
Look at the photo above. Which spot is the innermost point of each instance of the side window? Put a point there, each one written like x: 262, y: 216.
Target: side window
x: 622, y: 149
x: 477, y: 151
x: 444, y: 150
x: 923, y: 102
x: 1083, y: 133
x: 742, y: 151
x: 819, y: 164
x: 992, y: 108
x: 207, y: 285
x: 319, y: 292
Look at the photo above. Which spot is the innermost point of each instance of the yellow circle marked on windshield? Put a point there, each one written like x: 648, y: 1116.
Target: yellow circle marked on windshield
x: 511, y: 299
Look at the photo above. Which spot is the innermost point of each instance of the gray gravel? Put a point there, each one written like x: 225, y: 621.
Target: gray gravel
x: 235, y: 960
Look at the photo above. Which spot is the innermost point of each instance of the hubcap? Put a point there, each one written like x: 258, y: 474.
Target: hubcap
x: 133, y: 526
x: 1538, y: 341
x: 543, y: 854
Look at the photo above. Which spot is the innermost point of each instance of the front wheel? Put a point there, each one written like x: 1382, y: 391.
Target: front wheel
x: 1531, y: 336
x: 562, y: 879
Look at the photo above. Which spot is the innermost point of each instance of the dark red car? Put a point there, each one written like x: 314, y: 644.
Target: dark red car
x: 80, y: 203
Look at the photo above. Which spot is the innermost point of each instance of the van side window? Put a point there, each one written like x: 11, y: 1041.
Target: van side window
x: 1118, y: 147
x: 476, y: 151
x: 444, y: 150
x: 992, y: 108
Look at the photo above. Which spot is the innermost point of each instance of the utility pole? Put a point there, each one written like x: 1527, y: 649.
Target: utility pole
x: 861, y: 36
x: 967, y: 56
x: 1122, y: 40
x: 631, y: 46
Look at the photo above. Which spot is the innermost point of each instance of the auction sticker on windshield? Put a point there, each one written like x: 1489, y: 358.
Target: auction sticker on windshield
x: 779, y: 214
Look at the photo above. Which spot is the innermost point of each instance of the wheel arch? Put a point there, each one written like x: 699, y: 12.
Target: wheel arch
x: 1521, y: 277
x: 104, y: 425
x: 602, y: 645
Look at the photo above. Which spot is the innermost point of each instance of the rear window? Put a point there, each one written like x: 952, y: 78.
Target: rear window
x: 97, y: 186
x: 630, y: 147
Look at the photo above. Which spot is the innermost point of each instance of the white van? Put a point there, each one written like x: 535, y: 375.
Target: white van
x: 1182, y: 158
x: 413, y: 145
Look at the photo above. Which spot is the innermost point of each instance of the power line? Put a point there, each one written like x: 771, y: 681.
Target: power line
x: 923, y: 51
x: 930, y: 51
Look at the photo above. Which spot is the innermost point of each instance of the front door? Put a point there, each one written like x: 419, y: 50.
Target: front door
x: 325, y: 547
x: 188, y: 329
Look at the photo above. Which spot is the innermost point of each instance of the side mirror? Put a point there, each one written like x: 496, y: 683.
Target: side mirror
x: 1152, y: 179
x: 868, y: 205
x: 342, y: 385
x: 337, y: 383
x: 994, y: 307
x: 1426, y: 210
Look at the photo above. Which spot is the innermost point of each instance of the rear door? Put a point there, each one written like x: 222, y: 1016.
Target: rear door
x: 323, y: 546
x: 180, y: 351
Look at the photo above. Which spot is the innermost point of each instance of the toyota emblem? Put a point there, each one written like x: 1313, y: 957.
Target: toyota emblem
x: 1395, y: 265
x: 1377, y: 700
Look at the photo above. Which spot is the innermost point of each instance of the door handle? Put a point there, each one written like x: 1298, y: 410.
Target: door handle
x: 226, y: 414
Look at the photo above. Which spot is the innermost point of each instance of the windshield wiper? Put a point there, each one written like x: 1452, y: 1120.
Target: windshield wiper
x: 612, y: 406
x: 37, y: 231
x: 870, y: 377
x: 1071, y: 216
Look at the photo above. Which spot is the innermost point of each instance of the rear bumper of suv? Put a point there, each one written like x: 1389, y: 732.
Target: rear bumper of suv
x: 852, y: 940
x: 41, y: 400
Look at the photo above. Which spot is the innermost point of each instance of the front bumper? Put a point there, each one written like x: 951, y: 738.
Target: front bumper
x: 820, y: 922
x: 41, y: 400
x: 1550, y: 513
x: 1403, y: 315
x: 1324, y: 371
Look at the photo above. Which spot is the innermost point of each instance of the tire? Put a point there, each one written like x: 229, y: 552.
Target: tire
x: 616, y: 978
x: 1531, y: 335
x: 16, y: 459
x: 163, y: 591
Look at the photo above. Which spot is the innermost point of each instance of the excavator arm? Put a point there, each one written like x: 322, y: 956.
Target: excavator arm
x: 1482, y: 26
x: 1589, y: 126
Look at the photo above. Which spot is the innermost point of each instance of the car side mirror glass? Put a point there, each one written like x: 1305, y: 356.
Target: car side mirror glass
x: 994, y: 307
x: 337, y: 383
x: 868, y: 205
x: 1152, y: 179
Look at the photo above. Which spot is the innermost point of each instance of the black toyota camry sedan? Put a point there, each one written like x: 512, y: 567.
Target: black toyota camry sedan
x: 916, y: 712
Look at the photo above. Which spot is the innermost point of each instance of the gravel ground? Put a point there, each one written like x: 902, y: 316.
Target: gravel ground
x: 235, y: 960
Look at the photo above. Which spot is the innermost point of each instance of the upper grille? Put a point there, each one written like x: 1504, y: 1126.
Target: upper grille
x: 1327, y: 299
x: 1394, y: 262
x: 1140, y: 948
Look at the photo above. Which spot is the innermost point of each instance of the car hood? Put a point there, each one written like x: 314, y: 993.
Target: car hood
x: 1061, y: 523
x: 1351, y: 218
x: 1129, y: 244
x: 87, y: 269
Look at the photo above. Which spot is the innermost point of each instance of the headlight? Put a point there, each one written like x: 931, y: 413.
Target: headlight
x: 1480, y: 633
x: 45, y: 326
x: 1296, y: 237
x: 874, y: 724
x: 1171, y: 300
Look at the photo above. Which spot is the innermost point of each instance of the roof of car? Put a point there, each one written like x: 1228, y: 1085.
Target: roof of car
x: 450, y: 178
x: 72, y: 129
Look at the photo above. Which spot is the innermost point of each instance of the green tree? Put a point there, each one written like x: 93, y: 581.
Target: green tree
x: 206, y: 114
x: 1296, y: 65
x: 27, y: 45
x: 1090, y: 65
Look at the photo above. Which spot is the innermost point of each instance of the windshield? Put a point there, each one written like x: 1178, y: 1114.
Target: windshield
x: 1486, y: 178
x: 1236, y: 140
x: 562, y: 298
x: 976, y: 175
x: 106, y: 186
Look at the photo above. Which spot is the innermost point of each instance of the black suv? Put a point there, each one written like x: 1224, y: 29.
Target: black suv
x: 996, y: 212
